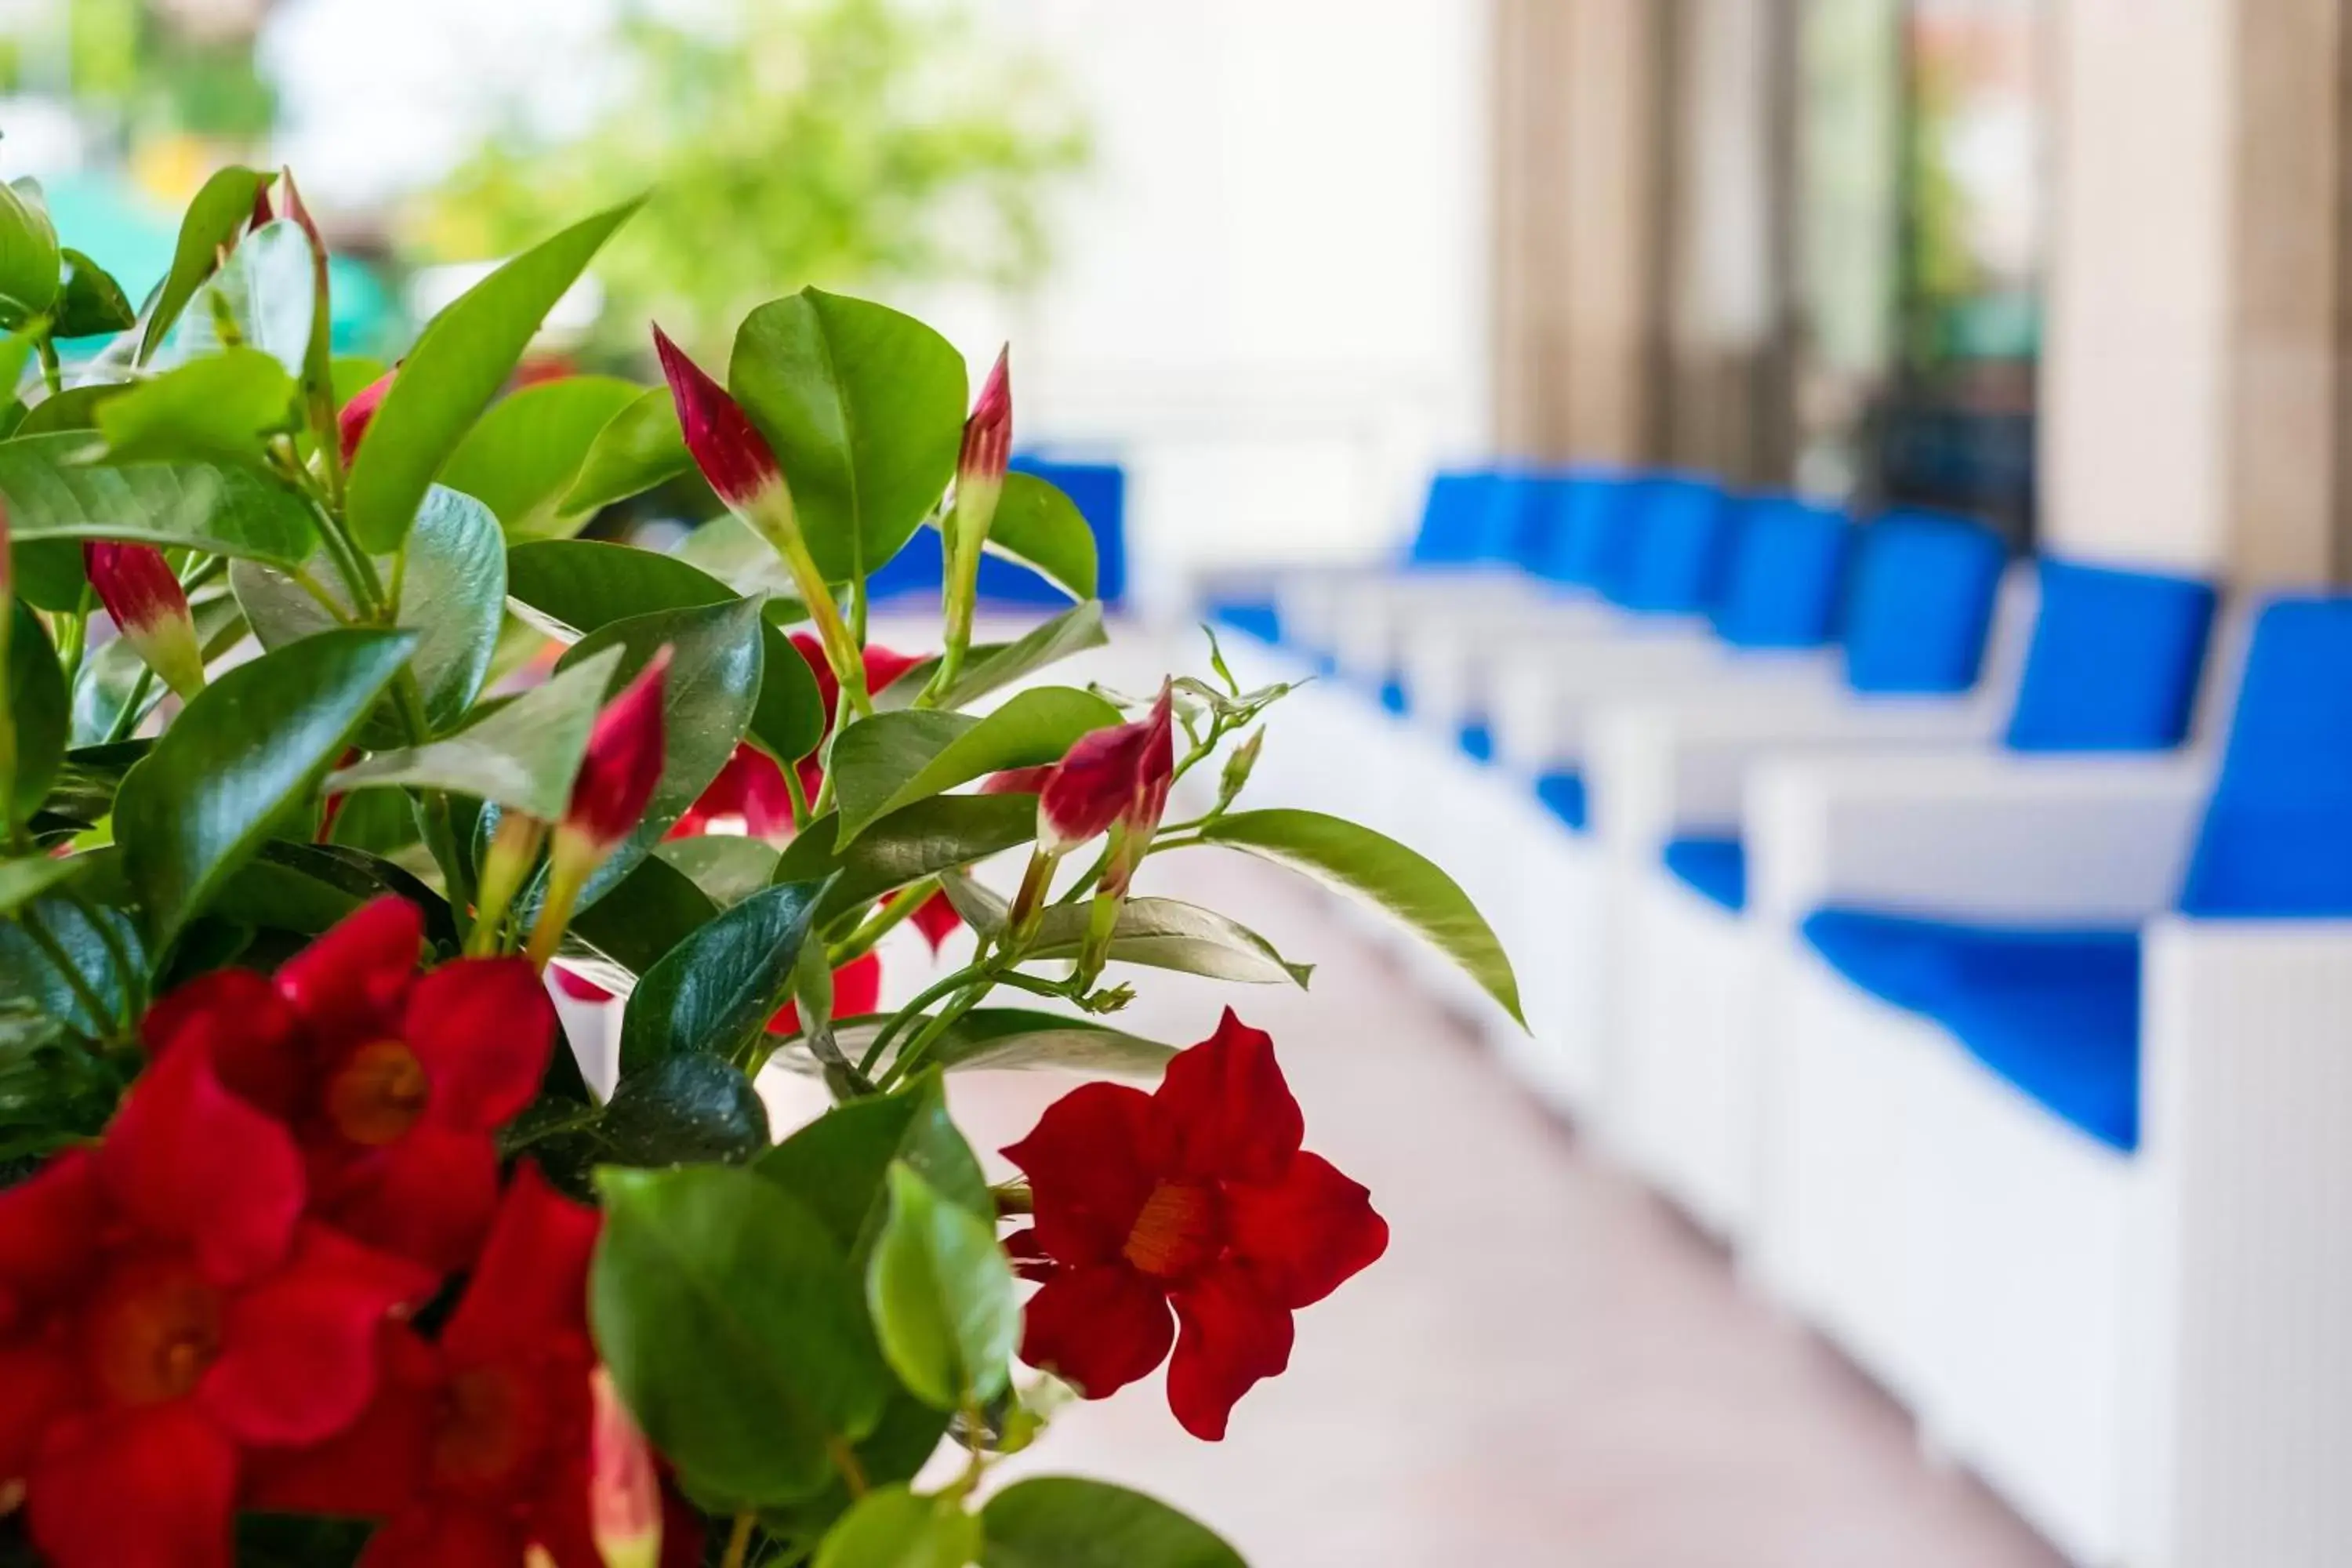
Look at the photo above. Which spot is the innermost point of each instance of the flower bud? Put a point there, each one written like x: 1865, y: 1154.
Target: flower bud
x: 150, y: 609
x: 352, y: 422
x: 987, y: 448
x: 623, y: 763
x: 261, y: 214
x: 725, y: 445
x: 624, y: 1505
x: 1117, y: 776
x: 1239, y: 766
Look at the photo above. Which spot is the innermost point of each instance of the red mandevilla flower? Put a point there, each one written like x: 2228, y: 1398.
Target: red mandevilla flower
x: 359, y: 413
x: 1117, y: 776
x: 729, y: 451
x: 478, y: 1444
x: 150, y: 609
x: 623, y: 763
x: 883, y: 667
x: 1196, y: 1196
x: 988, y: 433
x: 164, y: 1311
x: 392, y: 1083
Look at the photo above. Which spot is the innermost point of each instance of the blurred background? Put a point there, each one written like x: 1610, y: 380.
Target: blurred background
x: 2080, y: 270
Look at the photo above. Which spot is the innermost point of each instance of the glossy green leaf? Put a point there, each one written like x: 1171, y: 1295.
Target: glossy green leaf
x: 1003, y: 1039
x: 254, y: 743
x: 304, y: 888
x: 1404, y: 883
x: 90, y: 302
x: 992, y: 667
x: 30, y: 977
x: 17, y: 351
x: 727, y: 548
x: 655, y: 908
x: 28, y: 255
x: 83, y: 790
x: 734, y: 1326
x: 225, y: 509
x: 37, y: 707
x: 707, y: 704
x: 893, y: 760
x: 1163, y: 933
x: 75, y: 408
x: 686, y: 1110
x: 1062, y: 1521
x: 941, y: 1292
x: 350, y: 374
x: 729, y: 866
x: 839, y: 1164
x: 465, y: 355
x: 453, y: 597
x: 23, y: 880
x: 639, y: 447
x: 221, y: 208
x: 864, y: 408
x: 890, y: 1527
x: 266, y: 289
x: 1043, y: 529
x: 220, y: 408
x: 523, y: 454
x: 720, y: 986
x: 923, y: 840
x: 581, y: 586
x: 524, y: 756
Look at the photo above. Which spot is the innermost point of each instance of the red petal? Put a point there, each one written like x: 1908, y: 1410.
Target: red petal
x: 1092, y: 788
x: 49, y: 1227
x: 828, y: 687
x: 856, y: 991
x: 624, y: 761
x: 254, y: 1036
x: 1098, y: 1329
x: 374, y: 1468
x: 1017, y: 781
x: 751, y: 786
x: 733, y: 455
x: 1030, y: 1258
x: 147, y: 1488
x: 936, y: 918
x: 482, y: 1028
x: 428, y: 1196
x: 298, y: 1357
x: 884, y: 666
x: 348, y: 984
x: 37, y: 1380
x: 1228, y: 1111
x: 579, y: 987
x: 437, y: 1534
x: 1091, y: 1161
x: 534, y: 1276
x: 1231, y: 1334
x: 192, y: 1163
x: 1305, y: 1236
x: 352, y: 423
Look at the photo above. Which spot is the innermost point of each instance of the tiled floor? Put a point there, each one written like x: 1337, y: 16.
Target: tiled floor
x: 1548, y: 1368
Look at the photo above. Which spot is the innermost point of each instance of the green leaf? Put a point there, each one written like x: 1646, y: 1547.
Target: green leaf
x: 28, y: 976
x: 1163, y: 933
x: 623, y: 936
x: 91, y: 301
x: 893, y: 760
x: 222, y: 207
x: 222, y: 407
x: 727, y: 548
x: 453, y: 597
x: 267, y: 289
x: 839, y: 1164
x: 524, y: 756
x: 38, y: 706
x: 1396, y: 879
x: 350, y: 374
x: 28, y: 255
x: 706, y: 703
x: 22, y: 882
x: 253, y: 744
x: 524, y: 454
x: 226, y: 510
x: 582, y: 585
x: 890, y: 1527
x: 729, y: 866
x: 639, y: 448
x: 307, y: 888
x: 999, y: 665
x: 1008, y: 1039
x: 83, y: 790
x: 53, y: 1092
x: 941, y: 1292
x: 75, y: 408
x: 1062, y: 1521
x: 864, y: 408
x: 458, y: 366
x: 109, y: 674
x: 720, y: 986
x: 1043, y: 529
x: 922, y: 840
x: 734, y: 1326
x: 686, y: 1110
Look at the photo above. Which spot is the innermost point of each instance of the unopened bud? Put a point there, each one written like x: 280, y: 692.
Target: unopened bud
x: 150, y: 609
x: 624, y: 1508
x: 352, y: 422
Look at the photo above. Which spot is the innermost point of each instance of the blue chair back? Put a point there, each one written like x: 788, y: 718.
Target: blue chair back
x: 1681, y: 539
x: 2114, y: 660
x: 1921, y: 604
x: 2277, y: 838
x: 1589, y: 529
x: 1455, y: 519
x: 1788, y: 567
x: 1099, y: 492
x: 1513, y: 522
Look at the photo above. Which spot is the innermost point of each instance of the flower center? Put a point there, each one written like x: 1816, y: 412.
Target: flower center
x: 1176, y: 1232
x: 487, y: 1432
x: 379, y: 1094
x: 154, y: 1329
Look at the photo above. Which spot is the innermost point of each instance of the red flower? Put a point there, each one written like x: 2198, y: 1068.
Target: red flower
x: 856, y: 991
x: 477, y: 1448
x: 729, y: 451
x: 392, y: 1083
x: 882, y: 668
x: 747, y: 797
x: 165, y: 1309
x: 1117, y: 776
x: 151, y: 609
x: 623, y: 763
x: 936, y: 918
x: 1197, y: 1196
x: 352, y: 422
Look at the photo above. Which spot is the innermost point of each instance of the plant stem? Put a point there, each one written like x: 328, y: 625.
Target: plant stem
x: 440, y: 830
x: 134, y: 707
x: 844, y: 1459
x: 53, y: 374
x: 914, y: 1010
x: 893, y: 913
x: 911, y: 1056
x: 739, y: 1542
x: 74, y: 636
x: 796, y: 795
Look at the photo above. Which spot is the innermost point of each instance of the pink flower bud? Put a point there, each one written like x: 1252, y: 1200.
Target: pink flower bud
x: 352, y: 422
x: 1114, y: 777
x: 624, y: 1505
x: 730, y: 452
x: 623, y: 763
x: 150, y: 609
x: 988, y: 434
x: 260, y: 207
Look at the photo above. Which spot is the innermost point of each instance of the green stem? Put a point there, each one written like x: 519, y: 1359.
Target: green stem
x: 133, y: 707
x: 439, y: 820
x: 52, y: 374
x: 888, y: 917
x: 739, y: 1542
x: 74, y: 636
x: 913, y: 1010
x: 911, y: 1057
x: 797, y: 795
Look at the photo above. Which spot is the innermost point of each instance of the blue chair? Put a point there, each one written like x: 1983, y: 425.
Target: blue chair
x: 1099, y: 492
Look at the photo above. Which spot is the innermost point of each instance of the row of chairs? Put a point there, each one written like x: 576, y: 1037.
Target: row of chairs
x: 1968, y: 944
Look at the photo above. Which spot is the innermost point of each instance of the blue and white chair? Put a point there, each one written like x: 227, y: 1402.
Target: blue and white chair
x: 2058, y: 1135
